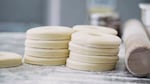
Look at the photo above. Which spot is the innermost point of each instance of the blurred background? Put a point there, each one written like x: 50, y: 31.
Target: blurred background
x: 20, y: 15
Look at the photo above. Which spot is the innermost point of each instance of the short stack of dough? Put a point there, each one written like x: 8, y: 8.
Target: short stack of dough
x: 47, y: 45
x: 93, y: 51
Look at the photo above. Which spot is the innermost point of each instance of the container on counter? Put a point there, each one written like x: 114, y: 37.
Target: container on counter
x: 103, y: 13
x: 145, y: 14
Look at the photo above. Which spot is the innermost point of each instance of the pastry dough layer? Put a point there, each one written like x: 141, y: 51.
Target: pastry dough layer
x: 49, y: 33
x: 44, y: 61
x: 100, y: 29
x: 89, y: 67
x: 96, y: 46
x: 93, y: 59
x: 47, y: 53
x: 92, y: 51
x: 94, y: 38
x: 47, y: 44
x: 8, y: 59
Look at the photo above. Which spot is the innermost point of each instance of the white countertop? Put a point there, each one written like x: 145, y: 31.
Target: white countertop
x: 30, y: 74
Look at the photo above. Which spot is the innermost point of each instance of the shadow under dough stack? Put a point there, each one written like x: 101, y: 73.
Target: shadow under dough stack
x: 93, y: 51
x: 47, y: 45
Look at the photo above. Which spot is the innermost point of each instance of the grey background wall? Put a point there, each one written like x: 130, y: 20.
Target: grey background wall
x: 72, y: 11
x: 129, y: 8
x: 21, y: 10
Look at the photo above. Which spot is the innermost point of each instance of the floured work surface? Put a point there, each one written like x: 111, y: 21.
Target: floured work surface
x: 30, y: 74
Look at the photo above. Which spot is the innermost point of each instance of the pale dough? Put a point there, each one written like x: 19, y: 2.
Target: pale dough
x: 92, y: 38
x: 75, y: 47
x: 44, y: 61
x: 47, y: 53
x: 47, y: 44
x: 93, y: 59
x: 89, y: 67
x: 99, y: 29
x: 50, y: 33
x: 96, y: 46
x: 92, y: 53
x: 8, y: 59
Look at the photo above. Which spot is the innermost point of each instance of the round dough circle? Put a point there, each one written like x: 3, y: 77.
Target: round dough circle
x: 47, y: 44
x: 47, y: 53
x: 44, y: 61
x: 50, y: 33
x: 92, y: 38
x: 75, y: 47
x: 8, y: 59
x: 93, y: 59
x: 96, y: 46
x: 100, y: 29
x: 89, y: 67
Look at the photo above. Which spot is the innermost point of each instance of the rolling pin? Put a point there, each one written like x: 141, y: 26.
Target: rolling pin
x: 137, y: 48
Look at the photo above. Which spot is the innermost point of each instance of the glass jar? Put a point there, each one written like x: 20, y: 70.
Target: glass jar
x: 103, y: 13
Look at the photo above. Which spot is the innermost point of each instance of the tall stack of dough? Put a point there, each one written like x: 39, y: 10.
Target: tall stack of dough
x: 47, y: 45
x: 93, y: 51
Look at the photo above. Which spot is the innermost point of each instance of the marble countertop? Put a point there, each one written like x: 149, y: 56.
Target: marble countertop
x: 30, y: 74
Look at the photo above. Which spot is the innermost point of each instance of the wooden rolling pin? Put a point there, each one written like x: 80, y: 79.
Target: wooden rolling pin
x: 137, y: 48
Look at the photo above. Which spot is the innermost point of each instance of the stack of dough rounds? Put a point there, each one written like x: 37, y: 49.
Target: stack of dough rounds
x: 99, y: 29
x: 93, y: 51
x: 8, y: 59
x: 47, y: 45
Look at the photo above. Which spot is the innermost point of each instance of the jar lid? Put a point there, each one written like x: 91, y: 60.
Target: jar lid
x: 99, y: 15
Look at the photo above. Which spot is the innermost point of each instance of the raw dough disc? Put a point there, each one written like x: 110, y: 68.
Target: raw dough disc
x: 96, y: 46
x: 75, y: 47
x: 44, y: 61
x: 89, y: 67
x: 8, y: 59
x: 93, y: 59
x: 92, y: 53
x: 50, y: 33
x: 47, y: 53
x: 47, y: 44
x: 100, y: 29
x: 94, y: 38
